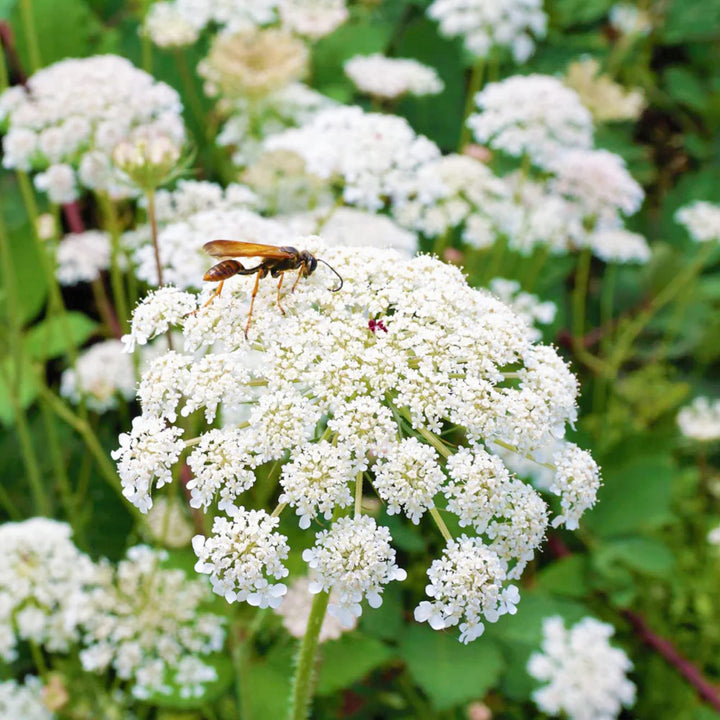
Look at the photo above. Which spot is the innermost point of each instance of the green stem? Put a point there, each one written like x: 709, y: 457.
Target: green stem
x: 497, y: 254
x: 4, y: 76
x: 435, y: 441
x: 579, y: 296
x: 28, y: 21
x: 191, y: 93
x: 535, y: 265
x: 474, y: 86
x: 303, y: 682
x: 358, y: 493
x: 112, y: 225
x: 9, y: 506
x: 435, y: 514
x: 38, y: 659
x: 607, y: 303
x: 146, y: 41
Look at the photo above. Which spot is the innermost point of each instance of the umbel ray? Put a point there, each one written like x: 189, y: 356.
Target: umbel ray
x: 276, y: 261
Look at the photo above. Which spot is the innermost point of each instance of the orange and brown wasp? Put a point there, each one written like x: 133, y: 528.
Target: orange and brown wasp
x: 276, y: 261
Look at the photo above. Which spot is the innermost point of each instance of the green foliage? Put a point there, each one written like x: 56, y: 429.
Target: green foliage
x: 349, y: 659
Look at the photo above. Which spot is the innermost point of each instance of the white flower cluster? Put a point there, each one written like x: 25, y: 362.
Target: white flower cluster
x: 350, y: 391
x: 586, y: 676
x: 40, y: 571
x: 147, y: 623
x: 71, y: 115
x: 23, y: 702
x: 180, y: 22
x: 374, y: 157
x: 488, y: 24
x: 471, y: 197
x: 385, y: 77
x: 102, y: 375
x: 527, y: 306
x: 582, y: 195
x: 295, y: 612
x: 700, y: 420
x: 701, y: 219
x: 81, y: 257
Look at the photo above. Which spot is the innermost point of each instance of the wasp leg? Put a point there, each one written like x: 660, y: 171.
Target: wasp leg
x: 261, y: 274
x: 280, y: 282
x: 301, y: 273
x: 216, y: 292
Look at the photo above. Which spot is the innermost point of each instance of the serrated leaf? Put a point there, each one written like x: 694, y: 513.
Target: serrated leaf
x: 349, y: 659
x: 634, y: 496
x: 56, y: 335
x: 449, y: 672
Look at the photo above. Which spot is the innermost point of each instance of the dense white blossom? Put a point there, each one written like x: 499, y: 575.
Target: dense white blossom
x: 355, y: 559
x: 374, y: 156
x: 81, y: 257
x: 168, y: 26
x: 144, y: 620
x: 242, y: 554
x: 72, y: 115
x: 466, y: 587
x: 487, y: 24
x: 701, y: 219
x: 102, y: 375
x: 312, y: 18
x: 295, y: 612
x: 630, y: 19
x: 23, y: 701
x: 700, y: 420
x: 386, y: 77
x: 347, y: 392
x: 619, y: 246
x: 40, y: 571
x: 527, y: 306
x: 585, y: 676
x: 532, y: 115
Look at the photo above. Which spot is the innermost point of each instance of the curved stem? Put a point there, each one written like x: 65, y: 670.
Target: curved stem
x: 440, y: 523
x: 303, y: 683
x: 473, y: 87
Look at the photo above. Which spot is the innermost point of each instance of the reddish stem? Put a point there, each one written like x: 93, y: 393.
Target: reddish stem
x: 8, y: 42
x: 73, y: 217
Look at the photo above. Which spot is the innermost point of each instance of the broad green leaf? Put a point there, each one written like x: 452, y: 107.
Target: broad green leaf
x: 56, y: 335
x: 565, y: 576
x: 638, y: 553
x: 349, y: 659
x: 6, y: 8
x: 578, y: 12
x: 634, y: 496
x: 449, y: 672
x: 688, y: 20
x: 387, y: 621
x: 684, y: 87
x: 267, y: 685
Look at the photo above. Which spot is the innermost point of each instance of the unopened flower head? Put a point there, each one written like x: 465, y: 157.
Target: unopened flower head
x: 700, y: 420
x: 532, y: 115
x: 72, y: 115
x: 144, y: 620
x: 389, y: 78
x: 23, y: 700
x: 81, y: 257
x: 349, y: 391
x: 148, y: 162
x: 488, y: 24
x: 253, y: 63
x: 40, y: 570
x: 701, y: 219
x: 585, y: 676
x: 374, y: 157
x: 295, y: 612
x: 601, y: 95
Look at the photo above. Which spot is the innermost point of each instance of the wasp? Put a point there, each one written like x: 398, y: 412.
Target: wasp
x: 276, y: 261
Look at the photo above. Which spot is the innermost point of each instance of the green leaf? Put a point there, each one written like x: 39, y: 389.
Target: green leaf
x: 55, y: 336
x: 6, y: 8
x: 687, y: 20
x: 684, y: 87
x: 267, y: 685
x: 387, y: 621
x: 565, y: 577
x: 449, y: 672
x: 349, y: 659
x: 579, y: 12
x: 638, y: 553
x: 634, y: 496
x: 25, y: 384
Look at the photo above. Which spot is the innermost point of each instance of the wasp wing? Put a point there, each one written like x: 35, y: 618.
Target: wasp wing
x: 237, y: 248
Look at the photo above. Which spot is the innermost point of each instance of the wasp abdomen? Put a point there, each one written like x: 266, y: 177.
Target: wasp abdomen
x: 223, y: 270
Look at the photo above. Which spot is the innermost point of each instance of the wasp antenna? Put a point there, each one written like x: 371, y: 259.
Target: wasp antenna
x: 336, y: 272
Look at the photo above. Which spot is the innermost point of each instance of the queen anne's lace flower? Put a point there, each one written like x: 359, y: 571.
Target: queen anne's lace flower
x: 533, y: 115
x: 348, y: 392
x: 586, y: 677
x: 355, y: 559
x: 23, y: 702
x: 82, y: 256
x: 700, y: 420
x: 385, y: 77
x: 374, y: 156
x: 529, y: 307
x: 40, y: 570
x: 72, y: 114
x: 619, y: 246
x: 145, y: 621
x: 241, y: 554
x: 168, y: 26
x: 466, y: 585
x: 701, y: 219
x: 577, y: 481
x: 487, y: 24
